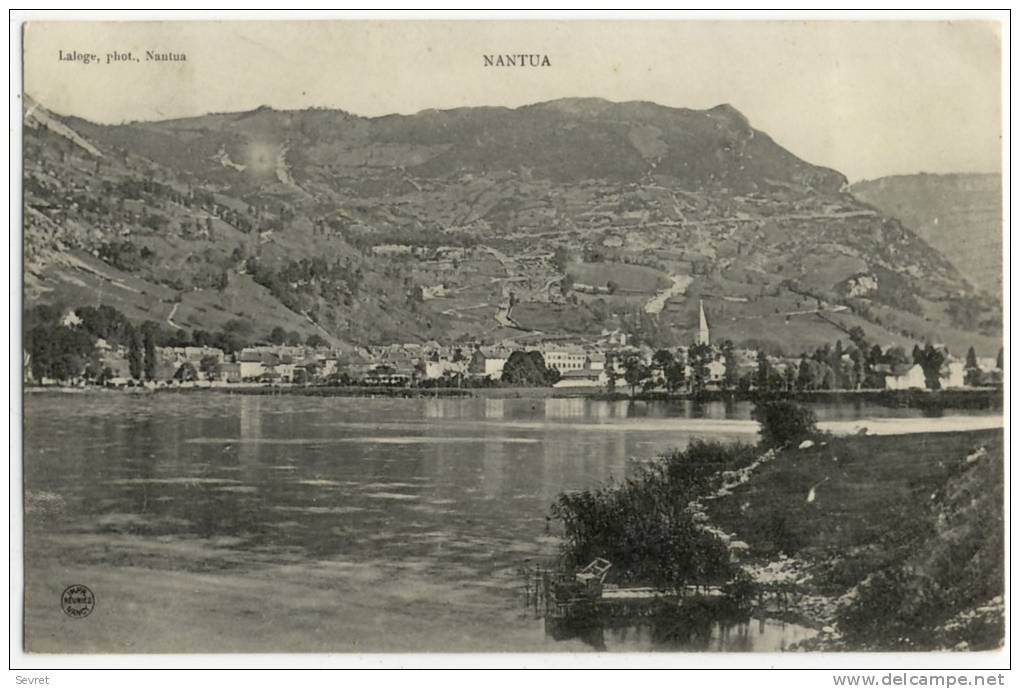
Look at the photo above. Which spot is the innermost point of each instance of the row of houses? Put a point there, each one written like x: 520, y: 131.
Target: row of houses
x: 270, y: 363
x: 579, y: 365
x: 952, y: 375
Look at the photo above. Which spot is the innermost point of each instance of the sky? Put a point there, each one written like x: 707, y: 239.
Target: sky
x: 866, y: 98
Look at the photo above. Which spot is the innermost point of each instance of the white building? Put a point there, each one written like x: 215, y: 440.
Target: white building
x: 614, y: 337
x: 438, y: 369
x: 329, y: 365
x: 716, y: 371
x: 953, y: 375
x: 487, y: 364
x: 906, y: 379
x: 565, y: 359
x: 987, y: 363
x: 250, y: 365
x: 192, y: 354
x: 285, y: 369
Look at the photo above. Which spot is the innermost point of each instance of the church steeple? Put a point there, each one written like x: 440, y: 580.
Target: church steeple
x: 703, y: 335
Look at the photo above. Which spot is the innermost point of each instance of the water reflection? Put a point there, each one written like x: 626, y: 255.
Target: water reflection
x: 566, y: 408
x: 249, y: 429
x: 494, y: 409
x: 457, y: 489
x: 684, y: 633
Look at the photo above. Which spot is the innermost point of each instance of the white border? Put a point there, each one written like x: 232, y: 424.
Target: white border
x: 729, y: 663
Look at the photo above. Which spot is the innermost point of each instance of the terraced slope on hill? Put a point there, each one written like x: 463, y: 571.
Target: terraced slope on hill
x: 477, y: 224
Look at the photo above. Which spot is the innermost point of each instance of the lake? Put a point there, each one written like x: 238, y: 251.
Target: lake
x: 215, y: 522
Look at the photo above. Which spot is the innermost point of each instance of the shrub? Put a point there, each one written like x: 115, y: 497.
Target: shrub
x: 644, y: 525
x: 784, y: 423
x: 702, y: 461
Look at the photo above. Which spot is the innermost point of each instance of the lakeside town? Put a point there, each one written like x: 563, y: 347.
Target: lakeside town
x: 100, y: 348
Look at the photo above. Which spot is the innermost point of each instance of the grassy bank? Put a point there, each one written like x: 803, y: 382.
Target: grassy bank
x: 889, y: 542
x: 893, y: 542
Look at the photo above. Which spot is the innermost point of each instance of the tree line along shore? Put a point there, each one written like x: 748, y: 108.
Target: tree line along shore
x: 99, y: 346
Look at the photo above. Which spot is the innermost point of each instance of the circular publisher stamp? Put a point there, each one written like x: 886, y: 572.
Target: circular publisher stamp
x: 77, y: 601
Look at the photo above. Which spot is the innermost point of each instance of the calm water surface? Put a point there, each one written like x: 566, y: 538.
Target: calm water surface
x: 454, y: 490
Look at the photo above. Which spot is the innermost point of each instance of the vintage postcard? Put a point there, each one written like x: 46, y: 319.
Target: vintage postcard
x: 512, y: 336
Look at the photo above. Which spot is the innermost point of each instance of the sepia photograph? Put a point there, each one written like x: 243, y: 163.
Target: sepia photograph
x: 542, y: 336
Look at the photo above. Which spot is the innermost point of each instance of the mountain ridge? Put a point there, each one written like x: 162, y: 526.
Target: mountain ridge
x: 450, y: 218
x: 959, y: 214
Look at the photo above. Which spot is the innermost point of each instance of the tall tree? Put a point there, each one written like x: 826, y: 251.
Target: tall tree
x: 635, y: 372
x: 806, y: 374
x: 931, y: 360
x: 971, y: 359
x: 972, y: 373
x: 858, y: 338
x: 700, y: 356
x: 661, y: 360
x: 828, y: 377
x: 611, y: 373
x: 731, y: 374
x: 676, y: 374
x: 790, y: 378
x: 761, y: 377
x: 859, y: 369
x: 135, y: 356
x: 875, y: 356
x: 836, y: 362
x: 149, y: 346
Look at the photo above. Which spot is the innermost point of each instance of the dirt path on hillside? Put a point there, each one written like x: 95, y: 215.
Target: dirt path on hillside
x: 679, y: 287
x: 170, y: 316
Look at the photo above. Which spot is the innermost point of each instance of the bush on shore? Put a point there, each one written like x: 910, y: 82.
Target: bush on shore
x: 645, y: 525
x: 784, y: 423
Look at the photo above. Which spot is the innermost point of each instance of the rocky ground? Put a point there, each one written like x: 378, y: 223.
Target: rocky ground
x: 928, y: 537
